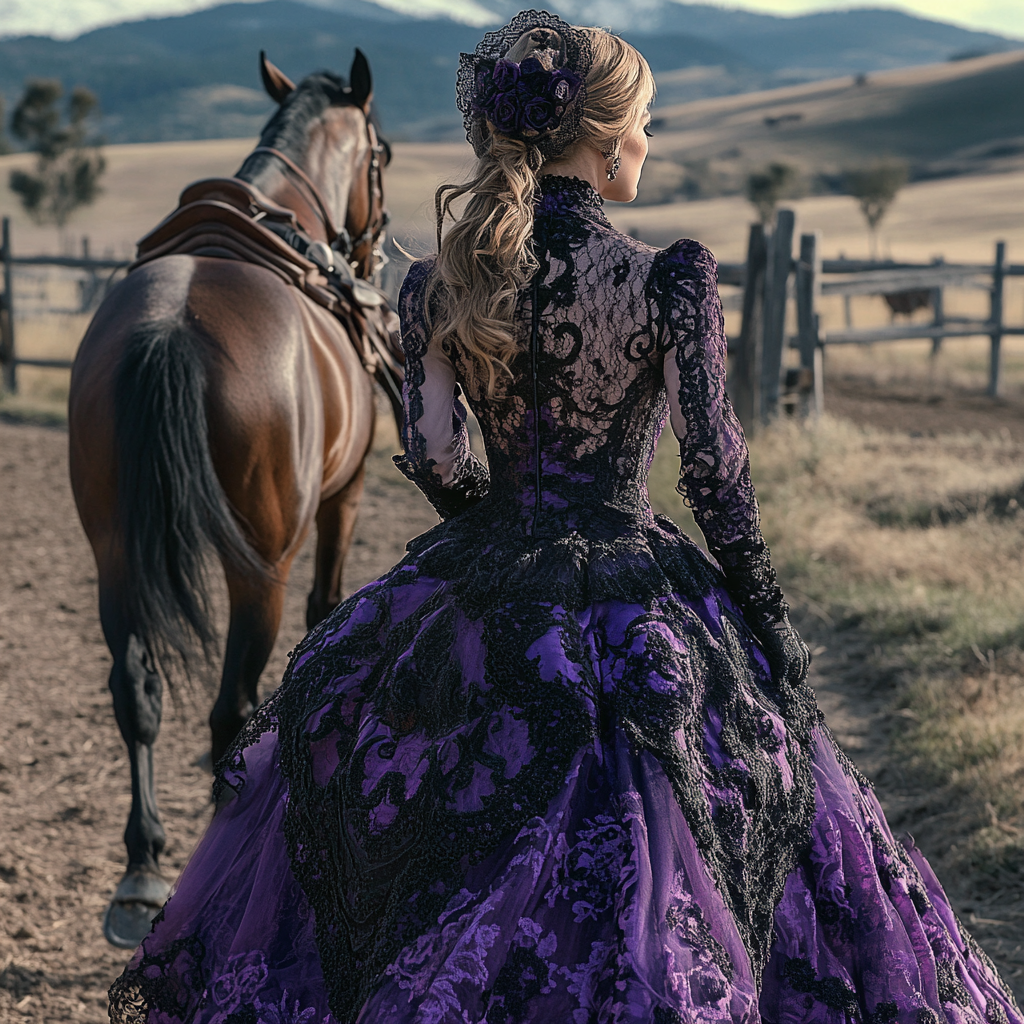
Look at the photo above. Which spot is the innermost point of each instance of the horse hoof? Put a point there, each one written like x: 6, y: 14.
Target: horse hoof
x: 136, y: 901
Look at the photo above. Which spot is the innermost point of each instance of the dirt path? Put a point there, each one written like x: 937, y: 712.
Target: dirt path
x: 63, y: 770
x: 918, y: 409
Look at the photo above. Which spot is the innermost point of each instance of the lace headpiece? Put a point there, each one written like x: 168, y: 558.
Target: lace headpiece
x: 537, y: 98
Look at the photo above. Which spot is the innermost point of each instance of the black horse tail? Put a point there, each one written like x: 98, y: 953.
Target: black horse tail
x: 172, y: 512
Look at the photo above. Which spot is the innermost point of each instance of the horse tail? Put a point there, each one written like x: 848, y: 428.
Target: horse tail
x: 171, y: 509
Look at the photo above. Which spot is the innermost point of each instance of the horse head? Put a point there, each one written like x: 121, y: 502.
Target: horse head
x: 320, y: 155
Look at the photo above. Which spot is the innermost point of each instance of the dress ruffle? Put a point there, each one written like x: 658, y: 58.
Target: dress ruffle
x: 604, y: 554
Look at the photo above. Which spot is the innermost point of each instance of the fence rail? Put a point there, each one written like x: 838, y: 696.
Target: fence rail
x: 9, y: 358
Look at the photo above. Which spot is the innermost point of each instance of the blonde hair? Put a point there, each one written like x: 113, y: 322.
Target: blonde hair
x: 486, y: 257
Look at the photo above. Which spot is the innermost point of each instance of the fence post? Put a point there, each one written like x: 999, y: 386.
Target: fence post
x: 938, y: 311
x: 780, y: 260
x: 747, y: 366
x: 7, y: 349
x: 996, y: 318
x: 808, y: 288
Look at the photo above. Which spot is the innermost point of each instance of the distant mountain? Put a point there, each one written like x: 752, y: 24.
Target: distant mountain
x: 65, y: 19
x: 195, y: 75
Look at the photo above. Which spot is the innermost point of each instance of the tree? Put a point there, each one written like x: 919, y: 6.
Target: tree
x: 68, y: 164
x: 875, y: 188
x: 766, y: 188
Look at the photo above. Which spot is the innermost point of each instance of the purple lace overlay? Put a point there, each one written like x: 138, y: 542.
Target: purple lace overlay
x: 539, y: 771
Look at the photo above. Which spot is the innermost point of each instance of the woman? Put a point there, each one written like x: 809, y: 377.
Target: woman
x: 556, y: 766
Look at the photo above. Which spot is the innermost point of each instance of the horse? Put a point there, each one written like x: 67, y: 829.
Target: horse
x: 216, y: 413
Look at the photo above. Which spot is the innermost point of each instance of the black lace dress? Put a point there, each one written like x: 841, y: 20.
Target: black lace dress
x: 540, y: 771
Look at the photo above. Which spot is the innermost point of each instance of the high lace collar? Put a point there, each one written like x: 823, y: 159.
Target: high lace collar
x: 560, y: 195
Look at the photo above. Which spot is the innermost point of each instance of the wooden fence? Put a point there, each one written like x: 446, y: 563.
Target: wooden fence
x: 770, y: 278
x: 10, y: 360
x: 772, y: 275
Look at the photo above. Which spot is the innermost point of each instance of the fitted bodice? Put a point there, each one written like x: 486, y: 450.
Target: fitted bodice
x: 574, y: 427
x: 612, y: 335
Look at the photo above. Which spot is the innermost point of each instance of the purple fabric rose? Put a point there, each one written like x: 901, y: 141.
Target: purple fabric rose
x: 523, y: 99
x: 538, y: 114
x: 505, y: 75
x: 563, y: 85
x: 504, y: 113
x: 533, y: 79
x: 485, y: 86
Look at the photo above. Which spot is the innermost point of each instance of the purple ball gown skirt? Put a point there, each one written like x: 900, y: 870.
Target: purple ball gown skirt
x: 466, y: 804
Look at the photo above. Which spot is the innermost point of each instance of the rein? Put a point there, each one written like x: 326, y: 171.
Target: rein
x: 306, y: 180
x: 341, y: 241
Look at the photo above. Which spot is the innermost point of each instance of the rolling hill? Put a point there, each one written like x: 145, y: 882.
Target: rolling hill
x: 942, y: 119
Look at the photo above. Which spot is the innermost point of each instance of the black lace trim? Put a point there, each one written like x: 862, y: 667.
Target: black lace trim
x: 160, y: 981
x: 714, y: 477
x: 561, y: 195
x: 469, y: 485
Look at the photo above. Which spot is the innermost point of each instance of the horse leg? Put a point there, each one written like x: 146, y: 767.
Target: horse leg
x: 256, y: 607
x: 335, y: 523
x: 137, y: 692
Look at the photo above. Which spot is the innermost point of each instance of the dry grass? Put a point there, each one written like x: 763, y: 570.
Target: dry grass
x: 950, y: 118
x: 958, y: 218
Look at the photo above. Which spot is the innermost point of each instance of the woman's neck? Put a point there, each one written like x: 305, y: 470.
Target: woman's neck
x: 587, y: 164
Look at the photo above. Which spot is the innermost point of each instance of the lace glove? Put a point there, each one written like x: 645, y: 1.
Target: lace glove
x: 751, y: 582
x: 787, y: 655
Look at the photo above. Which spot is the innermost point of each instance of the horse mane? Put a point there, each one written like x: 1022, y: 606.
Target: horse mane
x: 288, y: 127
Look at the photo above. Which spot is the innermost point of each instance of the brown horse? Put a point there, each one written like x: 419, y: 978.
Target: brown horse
x: 216, y: 410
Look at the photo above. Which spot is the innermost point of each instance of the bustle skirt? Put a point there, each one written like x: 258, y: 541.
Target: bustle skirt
x: 552, y: 782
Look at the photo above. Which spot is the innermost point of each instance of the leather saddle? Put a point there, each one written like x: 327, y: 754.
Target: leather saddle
x: 228, y: 218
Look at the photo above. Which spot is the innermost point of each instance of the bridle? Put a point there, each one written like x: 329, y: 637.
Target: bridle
x: 342, y: 241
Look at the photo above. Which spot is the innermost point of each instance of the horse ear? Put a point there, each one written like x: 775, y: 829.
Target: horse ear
x: 361, y: 81
x: 278, y: 85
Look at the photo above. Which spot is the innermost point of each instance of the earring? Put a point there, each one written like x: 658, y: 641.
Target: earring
x: 614, y: 169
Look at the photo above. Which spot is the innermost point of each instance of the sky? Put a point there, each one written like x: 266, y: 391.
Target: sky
x: 1003, y: 16
x: 66, y: 18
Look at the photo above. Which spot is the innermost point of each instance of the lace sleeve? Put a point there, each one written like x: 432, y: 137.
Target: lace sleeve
x: 714, y: 477
x: 437, y: 455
